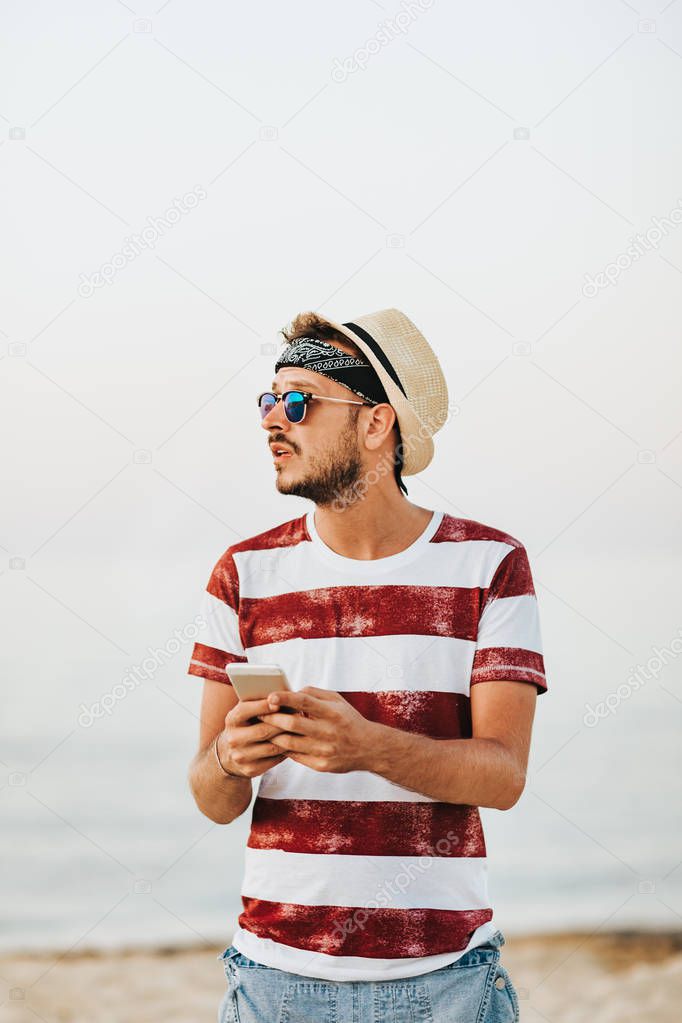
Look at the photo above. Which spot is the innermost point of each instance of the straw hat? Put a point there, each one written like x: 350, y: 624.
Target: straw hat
x: 410, y: 372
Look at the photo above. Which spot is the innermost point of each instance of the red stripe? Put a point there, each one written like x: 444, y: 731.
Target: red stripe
x: 366, y: 828
x: 286, y: 534
x: 212, y: 674
x: 455, y: 530
x: 341, y: 611
x: 370, y: 933
x: 512, y: 578
x: 224, y: 581
x: 212, y: 663
x: 211, y: 655
x: 438, y: 715
x: 501, y: 663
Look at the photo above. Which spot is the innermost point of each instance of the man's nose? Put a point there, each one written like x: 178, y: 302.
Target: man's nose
x: 275, y: 418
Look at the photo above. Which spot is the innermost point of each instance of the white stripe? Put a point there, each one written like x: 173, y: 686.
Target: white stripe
x: 222, y: 625
x: 508, y: 667
x: 289, y: 780
x: 512, y: 622
x: 211, y: 667
x: 395, y: 882
x: 281, y: 570
x: 372, y: 663
x: 330, y: 967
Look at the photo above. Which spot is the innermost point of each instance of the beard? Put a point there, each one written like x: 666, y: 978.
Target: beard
x: 333, y: 473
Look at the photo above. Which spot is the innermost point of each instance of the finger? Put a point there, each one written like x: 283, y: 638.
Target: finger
x: 308, y: 761
x: 248, y: 734
x: 299, y: 744
x: 245, y: 709
x: 286, y: 741
x: 259, y: 766
x: 300, y: 701
x: 270, y: 728
x: 266, y: 751
x: 322, y: 694
x: 277, y: 759
x: 260, y: 751
x: 291, y: 723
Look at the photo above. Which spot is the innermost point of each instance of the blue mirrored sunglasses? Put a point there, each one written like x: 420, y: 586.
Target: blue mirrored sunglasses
x: 296, y: 402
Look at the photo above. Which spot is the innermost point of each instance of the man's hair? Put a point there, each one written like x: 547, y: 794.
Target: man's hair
x: 310, y: 324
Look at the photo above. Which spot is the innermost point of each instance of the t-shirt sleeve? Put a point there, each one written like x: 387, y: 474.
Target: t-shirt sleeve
x: 220, y: 640
x: 509, y: 642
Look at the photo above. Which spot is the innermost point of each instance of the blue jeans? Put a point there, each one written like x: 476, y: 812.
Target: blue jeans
x: 474, y: 989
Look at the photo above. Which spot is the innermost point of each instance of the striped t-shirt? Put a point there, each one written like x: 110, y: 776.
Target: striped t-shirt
x: 350, y: 876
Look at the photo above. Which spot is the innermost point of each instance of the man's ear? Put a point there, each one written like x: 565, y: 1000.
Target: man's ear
x: 377, y: 431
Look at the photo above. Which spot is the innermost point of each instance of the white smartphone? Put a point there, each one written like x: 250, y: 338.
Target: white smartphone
x: 257, y: 681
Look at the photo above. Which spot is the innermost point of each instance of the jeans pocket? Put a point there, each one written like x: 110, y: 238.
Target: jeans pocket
x: 504, y: 999
x: 462, y: 991
x: 308, y: 1001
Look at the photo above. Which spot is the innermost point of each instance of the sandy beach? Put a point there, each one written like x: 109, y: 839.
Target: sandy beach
x: 562, y: 978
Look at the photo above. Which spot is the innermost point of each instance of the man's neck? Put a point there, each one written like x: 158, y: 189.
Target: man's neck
x: 370, y: 529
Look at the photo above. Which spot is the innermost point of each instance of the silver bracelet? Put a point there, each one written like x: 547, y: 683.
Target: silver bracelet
x: 228, y: 774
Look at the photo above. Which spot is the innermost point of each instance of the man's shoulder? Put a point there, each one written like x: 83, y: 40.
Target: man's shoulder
x: 285, y: 534
x: 458, y: 530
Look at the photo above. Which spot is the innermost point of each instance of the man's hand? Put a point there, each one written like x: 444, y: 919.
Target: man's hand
x: 243, y: 746
x: 325, y: 731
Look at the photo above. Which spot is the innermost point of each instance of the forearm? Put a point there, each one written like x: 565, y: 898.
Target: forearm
x: 219, y: 798
x: 476, y: 772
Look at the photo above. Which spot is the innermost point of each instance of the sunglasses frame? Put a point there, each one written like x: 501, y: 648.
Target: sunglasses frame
x: 308, y: 396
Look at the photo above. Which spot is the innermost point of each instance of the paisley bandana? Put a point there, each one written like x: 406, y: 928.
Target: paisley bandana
x: 321, y: 357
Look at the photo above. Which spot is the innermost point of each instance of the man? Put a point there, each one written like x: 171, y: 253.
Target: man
x: 365, y: 888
